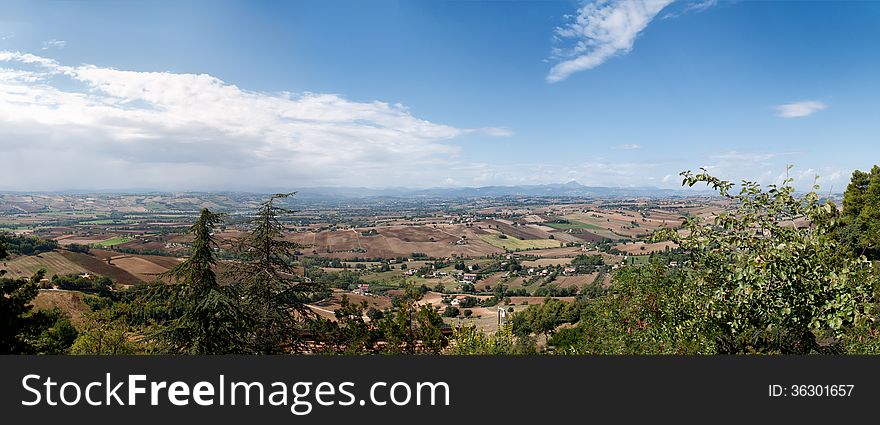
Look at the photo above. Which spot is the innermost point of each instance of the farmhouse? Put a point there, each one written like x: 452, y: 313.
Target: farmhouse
x: 362, y: 289
x: 470, y: 277
x: 457, y: 300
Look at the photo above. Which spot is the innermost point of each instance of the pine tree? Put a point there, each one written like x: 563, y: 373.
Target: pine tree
x: 212, y: 321
x: 861, y: 214
x: 275, y: 297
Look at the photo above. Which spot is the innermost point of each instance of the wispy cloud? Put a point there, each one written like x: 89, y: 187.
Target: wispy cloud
x: 699, y: 6
x: 694, y: 6
x: 601, y: 30
x: 629, y: 146
x: 800, y: 109
x: 751, y: 157
x: 494, y: 131
x: 169, y: 131
x: 53, y: 44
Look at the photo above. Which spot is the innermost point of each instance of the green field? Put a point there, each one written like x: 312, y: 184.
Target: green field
x: 636, y: 260
x: 512, y: 244
x: 112, y: 242
x: 14, y: 229
x: 155, y: 206
x: 572, y: 224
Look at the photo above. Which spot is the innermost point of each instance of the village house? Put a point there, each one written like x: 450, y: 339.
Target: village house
x: 457, y: 300
x: 469, y: 277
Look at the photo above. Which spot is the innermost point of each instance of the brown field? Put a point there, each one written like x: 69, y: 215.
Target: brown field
x: 557, y: 252
x: 98, y: 265
x: 68, y: 239
x: 611, y: 225
x: 139, y: 266
x: 396, y: 241
x: 335, y: 301
x: 609, y: 258
x: 489, y: 282
x: 707, y: 212
x: 664, y: 218
x: 584, y: 236
x: 499, y: 278
x: 70, y: 302
x: 567, y: 237
x: 516, y: 283
x: 527, y: 232
x: 578, y: 281
x: 54, y: 263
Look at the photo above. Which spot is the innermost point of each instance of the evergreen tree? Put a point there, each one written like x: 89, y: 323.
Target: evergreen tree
x: 861, y: 214
x: 211, y: 321
x: 274, y: 296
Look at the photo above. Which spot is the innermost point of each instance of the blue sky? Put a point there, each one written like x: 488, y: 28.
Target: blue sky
x: 247, y: 95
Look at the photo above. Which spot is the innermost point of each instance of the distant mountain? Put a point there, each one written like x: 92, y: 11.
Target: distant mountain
x: 572, y: 188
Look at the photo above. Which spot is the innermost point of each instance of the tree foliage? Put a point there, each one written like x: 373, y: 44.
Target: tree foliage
x: 765, y: 276
x: 544, y: 318
x: 768, y: 274
x: 273, y: 295
x: 860, y: 231
x: 468, y: 341
x: 25, y: 331
x: 25, y: 245
x: 650, y: 309
x: 410, y: 327
x: 212, y: 321
x: 111, y: 331
x: 406, y: 328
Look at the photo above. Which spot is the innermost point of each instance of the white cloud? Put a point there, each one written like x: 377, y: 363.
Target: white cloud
x: 829, y: 179
x: 54, y: 44
x: 800, y: 109
x: 495, y: 131
x: 601, y: 30
x: 699, y: 6
x: 695, y: 6
x: 629, y: 146
x: 751, y: 157
x: 64, y: 127
x: 596, y: 172
x: 768, y: 168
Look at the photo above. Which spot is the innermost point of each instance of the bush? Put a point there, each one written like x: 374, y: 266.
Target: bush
x: 75, y: 247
